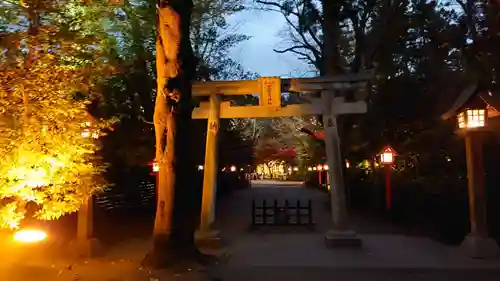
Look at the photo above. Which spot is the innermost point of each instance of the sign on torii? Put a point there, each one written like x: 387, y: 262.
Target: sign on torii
x: 269, y: 90
x: 333, y: 101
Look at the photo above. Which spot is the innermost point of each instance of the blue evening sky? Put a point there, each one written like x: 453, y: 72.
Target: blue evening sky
x: 257, y: 53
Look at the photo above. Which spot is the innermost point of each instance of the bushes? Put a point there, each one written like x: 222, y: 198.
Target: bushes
x: 438, y: 209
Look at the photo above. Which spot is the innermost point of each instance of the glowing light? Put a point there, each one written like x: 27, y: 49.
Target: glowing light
x: 86, y: 133
x: 472, y: 118
x: 156, y: 167
x: 319, y: 167
x: 309, y: 169
x: 200, y: 167
x: 386, y: 158
x: 314, y: 168
x: 233, y: 168
x: 29, y: 236
x: 325, y: 167
x: 347, y: 164
x: 295, y: 169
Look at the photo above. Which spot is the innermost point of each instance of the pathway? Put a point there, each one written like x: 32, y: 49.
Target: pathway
x: 387, y: 254
x: 234, y: 212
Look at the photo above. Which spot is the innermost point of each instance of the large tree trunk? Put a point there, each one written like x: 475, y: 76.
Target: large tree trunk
x: 176, y: 213
x: 331, y: 29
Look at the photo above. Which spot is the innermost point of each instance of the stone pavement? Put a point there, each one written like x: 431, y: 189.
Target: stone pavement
x: 234, y: 213
x: 387, y: 254
x: 378, y: 251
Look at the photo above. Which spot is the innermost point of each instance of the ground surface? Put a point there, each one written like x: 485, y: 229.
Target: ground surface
x: 387, y: 253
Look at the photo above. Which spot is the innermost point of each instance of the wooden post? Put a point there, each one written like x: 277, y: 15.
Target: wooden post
x: 85, y: 228
x: 388, y: 195
x: 477, y: 244
x: 254, y: 212
x: 309, y: 213
x: 298, y: 213
x: 320, y: 176
x: 264, y: 212
x: 211, y: 166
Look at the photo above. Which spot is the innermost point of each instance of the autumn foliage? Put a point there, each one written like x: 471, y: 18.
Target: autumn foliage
x: 48, y: 141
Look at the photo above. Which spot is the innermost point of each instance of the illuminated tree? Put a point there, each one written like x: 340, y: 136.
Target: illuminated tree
x: 176, y: 214
x: 48, y: 141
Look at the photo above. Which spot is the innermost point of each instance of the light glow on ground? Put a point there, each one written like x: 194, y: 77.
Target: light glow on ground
x: 29, y: 236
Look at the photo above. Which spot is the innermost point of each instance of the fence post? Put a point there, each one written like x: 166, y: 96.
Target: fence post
x: 298, y: 213
x: 286, y: 213
x: 309, y: 212
x: 275, y: 212
x: 264, y: 212
x: 253, y: 212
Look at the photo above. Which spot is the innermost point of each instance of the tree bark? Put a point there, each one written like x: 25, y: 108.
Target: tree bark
x: 176, y: 214
x: 331, y: 29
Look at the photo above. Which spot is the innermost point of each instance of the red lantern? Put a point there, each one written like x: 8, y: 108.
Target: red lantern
x: 387, y: 156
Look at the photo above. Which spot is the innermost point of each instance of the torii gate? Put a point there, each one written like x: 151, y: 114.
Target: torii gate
x: 333, y: 101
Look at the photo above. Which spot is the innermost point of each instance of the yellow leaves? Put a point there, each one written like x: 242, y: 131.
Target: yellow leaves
x: 10, y: 216
x: 45, y: 159
x: 54, y: 171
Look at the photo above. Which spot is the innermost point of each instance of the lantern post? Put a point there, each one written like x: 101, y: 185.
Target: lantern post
x: 87, y: 244
x: 472, y: 122
x: 319, y: 168
x: 327, y: 180
x: 155, y: 168
x: 387, y: 159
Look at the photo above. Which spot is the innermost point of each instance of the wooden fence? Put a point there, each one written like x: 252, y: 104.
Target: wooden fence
x: 286, y: 214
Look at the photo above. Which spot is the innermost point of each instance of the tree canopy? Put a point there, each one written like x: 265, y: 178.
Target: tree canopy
x: 51, y: 66
x: 424, y: 53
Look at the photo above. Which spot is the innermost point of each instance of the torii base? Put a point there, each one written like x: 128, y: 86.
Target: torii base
x: 208, y: 239
x: 478, y: 247
x: 342, y: 239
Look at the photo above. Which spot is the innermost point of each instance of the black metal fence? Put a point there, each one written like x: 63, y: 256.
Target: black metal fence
x: 286, y: 214
x: 135, y: 190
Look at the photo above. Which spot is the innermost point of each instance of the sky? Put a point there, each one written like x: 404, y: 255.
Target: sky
x: 257, y: 53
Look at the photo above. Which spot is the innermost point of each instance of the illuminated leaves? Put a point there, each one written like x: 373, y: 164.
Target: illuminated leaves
x: 10, y: 216
x: 47, y: 81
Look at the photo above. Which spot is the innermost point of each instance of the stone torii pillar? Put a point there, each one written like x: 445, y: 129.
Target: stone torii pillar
x: 205, y: 233
x: 341, y: 235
